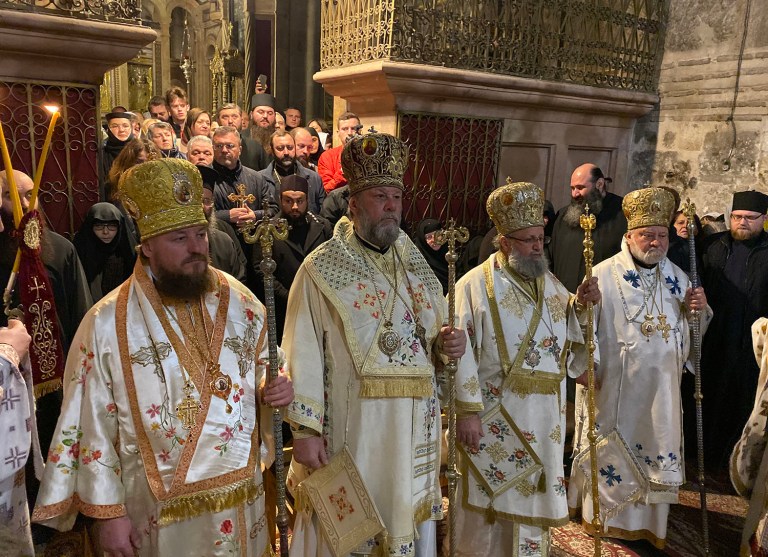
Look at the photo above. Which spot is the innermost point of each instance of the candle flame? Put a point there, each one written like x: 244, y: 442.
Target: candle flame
x: 52, y: 108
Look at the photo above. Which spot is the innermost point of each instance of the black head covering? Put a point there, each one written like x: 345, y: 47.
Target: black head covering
x: 750, y: 201
x: 314, y: 157
x: 435, y: 258
x: 210, y: 176
x: 262, y: 99
x: 106, y: 266
x: 294, y: 183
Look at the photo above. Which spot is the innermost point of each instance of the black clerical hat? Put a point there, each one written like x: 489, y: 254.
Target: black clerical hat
x: 750, y: 201
x: 262, y: 99
x: 294, y: 183
x: 210, y: 176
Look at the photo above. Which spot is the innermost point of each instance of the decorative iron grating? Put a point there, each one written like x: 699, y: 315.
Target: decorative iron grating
x: 452, y: 167
x: 70, y: 182
x: 125, y: 11
x: 607, y: 43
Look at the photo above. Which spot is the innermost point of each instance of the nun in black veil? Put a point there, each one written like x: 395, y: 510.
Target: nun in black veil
x: 107, y: 252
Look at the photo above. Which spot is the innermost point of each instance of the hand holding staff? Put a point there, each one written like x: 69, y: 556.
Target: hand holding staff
x: 451, y: 235
x: 587, y: 223
x: 265, y: 233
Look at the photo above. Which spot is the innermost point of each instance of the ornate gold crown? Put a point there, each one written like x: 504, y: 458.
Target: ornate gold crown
x: 162, y: 196
x: 374, y: 160
x: 516, y: 205
x: 648, y: 207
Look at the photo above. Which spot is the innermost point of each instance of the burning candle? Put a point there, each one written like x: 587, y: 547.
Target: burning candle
x: 54, y: 110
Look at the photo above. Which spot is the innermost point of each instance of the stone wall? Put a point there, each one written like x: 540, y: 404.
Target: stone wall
x: 689, y: 140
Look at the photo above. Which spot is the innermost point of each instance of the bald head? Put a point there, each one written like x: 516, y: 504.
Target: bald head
x: 24, y: 186
x: 584, y: 179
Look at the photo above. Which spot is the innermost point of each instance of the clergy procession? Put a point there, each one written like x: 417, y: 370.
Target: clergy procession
x: 245, y: 353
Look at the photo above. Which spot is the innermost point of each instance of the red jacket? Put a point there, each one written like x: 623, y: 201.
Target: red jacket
x: 329, y: 168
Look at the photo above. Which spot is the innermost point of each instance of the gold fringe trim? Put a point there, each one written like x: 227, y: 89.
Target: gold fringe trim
x: 211, y: 501
x: 302, y: 502
x: 47, y: 388
x: 524, y: 384
x: 402, y: 387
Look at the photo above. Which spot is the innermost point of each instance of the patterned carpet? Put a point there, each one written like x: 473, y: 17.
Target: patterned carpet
x: 684, y: 538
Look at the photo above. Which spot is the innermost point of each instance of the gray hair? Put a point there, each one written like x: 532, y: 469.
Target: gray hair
x: 230, y: 106
x: 200, y: 139
x: 159, y: 126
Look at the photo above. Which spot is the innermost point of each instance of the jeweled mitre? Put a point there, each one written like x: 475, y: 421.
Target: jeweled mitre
x: 516, y: 205
x: 648, y: 207
x: 374, y: 160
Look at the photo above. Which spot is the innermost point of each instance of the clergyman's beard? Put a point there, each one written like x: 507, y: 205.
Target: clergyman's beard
x: 529, y: 266
x: 383, y: 234
x: 184, y: 285
x: 263, y: 136
x: 742, y: 235
x: 650, y: 257
x: 576, y: 208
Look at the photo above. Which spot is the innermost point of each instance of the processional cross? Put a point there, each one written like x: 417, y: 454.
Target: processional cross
x: 241, y: 198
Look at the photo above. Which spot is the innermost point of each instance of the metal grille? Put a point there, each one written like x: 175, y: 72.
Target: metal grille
x: 452, y: 168
x: 70, y: 182
x: 608, y: 43
x: 127, y: 11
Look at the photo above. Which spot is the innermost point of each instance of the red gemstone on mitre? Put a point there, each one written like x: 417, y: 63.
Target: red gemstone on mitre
x: 369, y: 146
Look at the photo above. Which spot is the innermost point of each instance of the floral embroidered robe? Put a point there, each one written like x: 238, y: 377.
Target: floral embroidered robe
x: 532, y: 394
x: 639, y: 394
x: 119, y: 447
x: 749, y: 461
x: 332, y: 325
x: 16, y: 431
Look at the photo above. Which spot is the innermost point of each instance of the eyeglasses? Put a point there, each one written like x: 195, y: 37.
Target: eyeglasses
x: 748, y: 218
x: 112, y: 227
x: 531, y: 240
x: 222, y: 146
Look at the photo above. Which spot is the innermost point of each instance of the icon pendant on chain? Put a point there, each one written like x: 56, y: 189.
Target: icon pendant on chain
x: 647, y: 327
x: 389, y: 340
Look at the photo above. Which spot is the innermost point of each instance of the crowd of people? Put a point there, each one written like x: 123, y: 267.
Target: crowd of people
x: 156, y: 438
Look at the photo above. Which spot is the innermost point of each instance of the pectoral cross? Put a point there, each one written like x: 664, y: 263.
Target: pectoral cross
x: 664, y: 327
x: 187, y: 409
x: 241, y: 198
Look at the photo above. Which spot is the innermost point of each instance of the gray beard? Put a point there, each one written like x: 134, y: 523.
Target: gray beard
x: 530, y: 267
x: 380, y: 235
x: 576, y: 208
x: 646, y: 258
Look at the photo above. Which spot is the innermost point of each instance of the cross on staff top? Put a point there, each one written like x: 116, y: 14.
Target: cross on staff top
x: 266, y: 231
x: 241, y: 198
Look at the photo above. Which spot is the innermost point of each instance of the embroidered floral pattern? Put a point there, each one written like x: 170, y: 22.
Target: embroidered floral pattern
x: 430, y: 415
x: 632, y: 278
x: 69, y: 446
x: 86, y: 365
x: 610, y: 475
x: 494, y: 475
x: 520, y: 458
x: 227, y: 537
x: 419, y: 297
x: 556, y: 434
x: 367, y: 301
x: 341, y: 503
x: 550, y: 346
x: 230, y: 432
x: 529, y: 436
x: 674, y: 284
x: 499, y: 429
x: 91, y: 456
x: 559, y: 487
x: 662, y: 463
x: 555, y: 307
x: 530, y: 548
x: 471, y: 385
x: 491, y: 393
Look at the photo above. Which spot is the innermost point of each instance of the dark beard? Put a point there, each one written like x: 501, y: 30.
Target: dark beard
x: 184, y: 286
x: 529, y: 267
x: 263, y: 136
x: 576, y: 208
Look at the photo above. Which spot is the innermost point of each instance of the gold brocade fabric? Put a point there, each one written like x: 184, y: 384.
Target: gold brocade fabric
x: 342, y: 273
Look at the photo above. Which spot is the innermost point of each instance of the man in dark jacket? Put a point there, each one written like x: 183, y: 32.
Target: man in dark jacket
x: 252, y: 154
x: 567, y: 244
x: 284, y: 164
x: 735, y: 276
x: 335, y: 205
x: 306, y: 232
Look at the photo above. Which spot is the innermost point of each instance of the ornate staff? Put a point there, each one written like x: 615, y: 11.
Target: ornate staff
x: 452, y: 235
x: 587, y: 223
x: 265, y: 233
x: 689, y: 210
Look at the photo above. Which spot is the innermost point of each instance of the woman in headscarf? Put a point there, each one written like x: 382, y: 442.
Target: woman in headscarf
x: 433, y: 253
x: 106, y: 250
x: 317, y: 146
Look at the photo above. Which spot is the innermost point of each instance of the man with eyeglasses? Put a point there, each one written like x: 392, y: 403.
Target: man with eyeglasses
x: 643, y: 342
x: 512, y: 379
x: 735, y: 274
x: 252, y: 154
